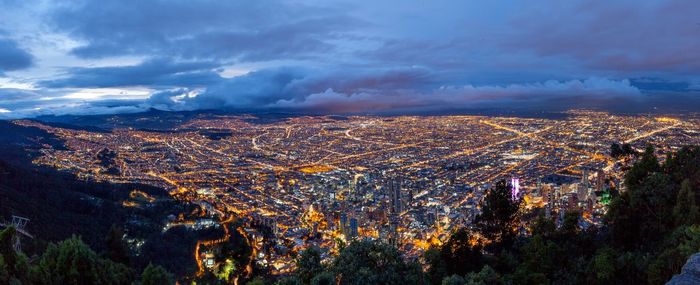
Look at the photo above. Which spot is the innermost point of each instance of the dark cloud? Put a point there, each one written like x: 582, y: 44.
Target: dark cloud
x: 14, y: 94
x: 265, y: 88
x: 12, y: 57
x: 244, y: 30
x: 341, y: 56
x: 623, y: 36
x: 574, y: 93
x: 300, y: 89
x: 159, y: 72
x: 661, y: 85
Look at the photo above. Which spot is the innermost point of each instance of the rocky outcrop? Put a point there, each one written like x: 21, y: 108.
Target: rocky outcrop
x: 690, y: 274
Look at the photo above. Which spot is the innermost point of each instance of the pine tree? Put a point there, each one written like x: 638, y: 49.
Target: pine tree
x: 499, y: 216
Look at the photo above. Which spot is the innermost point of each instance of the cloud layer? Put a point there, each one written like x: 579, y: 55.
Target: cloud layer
x: 341, y: 56
x: 12, y: 57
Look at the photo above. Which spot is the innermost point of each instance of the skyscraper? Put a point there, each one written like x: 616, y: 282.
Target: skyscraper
x: 394, y: 188
x: 352, y: 231
x: 584, y: 178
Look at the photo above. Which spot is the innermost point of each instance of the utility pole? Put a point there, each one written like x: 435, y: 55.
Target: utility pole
x: 19, y: 223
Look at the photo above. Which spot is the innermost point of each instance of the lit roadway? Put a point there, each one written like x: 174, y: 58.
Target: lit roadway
x: 474, y: 150
x: 651, y: 133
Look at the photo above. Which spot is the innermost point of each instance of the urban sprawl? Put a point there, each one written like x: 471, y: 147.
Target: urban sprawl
x: 325, y: 180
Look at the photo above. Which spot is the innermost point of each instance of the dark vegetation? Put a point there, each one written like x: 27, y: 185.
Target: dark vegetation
x: 69, y: 262
x: 617, y: 150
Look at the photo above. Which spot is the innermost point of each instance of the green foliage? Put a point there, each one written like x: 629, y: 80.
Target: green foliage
x: 603, y: 265
x: 499, y: 219
x: 617, y: 151
x: 459, y: 256
x: 68, y: 262
x: 155, y: 275
x: 487, y: 276
x: 73, y: 262
x: 640, y: 217
x: 325, y: 278
x: 654, y: 224
x: 309, y: 265
x: 371, y: 262
x: 289, y: 281
x: 544, y: 226
x: 437, y: 266
x: 6, y: 249
x: 689, y: 240
x: 686, y: 211
x: 14, y: 267
x: 453, y: 280
x: 4, y: 273
x: 685, y: 164
x: 647, y: 165
x: 539, y: 261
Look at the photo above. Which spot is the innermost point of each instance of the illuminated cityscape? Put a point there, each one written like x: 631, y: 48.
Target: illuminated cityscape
x: 348, y: 142
x: 324, y: 180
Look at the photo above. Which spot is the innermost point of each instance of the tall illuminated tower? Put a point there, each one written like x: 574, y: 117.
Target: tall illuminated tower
x: 515, y: 188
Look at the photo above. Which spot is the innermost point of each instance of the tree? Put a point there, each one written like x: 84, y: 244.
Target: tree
x: 640, y: 217
x: 4, y: 273
x: 680, y: 245
x: 615, y: 150
x: 289, y: 281
x: 6, y: 248
x: 309, y: 265
x: 498, y: 220
x: 437, y: 267
x: 686, y: 211
x: 14, y: 266
x: 73, y: 262
x: 647, y: 165
x: 453, y: 280
x: 652, y: 202
x: 155, y: 275
x: 256, y: 281
x: 460, y: 254
x: 685, y: 164
x: 539, y: 261
x: 603, y: 265
x: 544, y: 226
x: 627, y: 149
x: 487, y: 276
x: 325, y: 278
x: 372, y: 262
x: 569, y: 227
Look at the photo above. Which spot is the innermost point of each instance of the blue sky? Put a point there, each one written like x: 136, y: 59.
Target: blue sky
x: 109, y: 56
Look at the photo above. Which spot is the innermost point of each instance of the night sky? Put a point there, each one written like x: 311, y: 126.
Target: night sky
x: 115, y: 56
